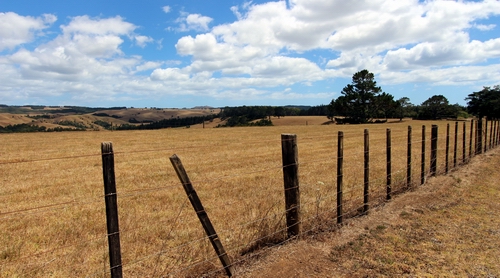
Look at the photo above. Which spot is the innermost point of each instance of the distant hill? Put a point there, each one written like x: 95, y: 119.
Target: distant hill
x: 88, y: 118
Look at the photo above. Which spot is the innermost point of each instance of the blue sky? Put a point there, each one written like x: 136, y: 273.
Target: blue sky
x: 230, y: 52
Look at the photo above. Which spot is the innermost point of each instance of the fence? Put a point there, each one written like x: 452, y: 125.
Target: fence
x: 159, y: 236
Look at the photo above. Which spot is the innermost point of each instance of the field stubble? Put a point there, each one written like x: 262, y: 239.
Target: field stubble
x: 52, y: 207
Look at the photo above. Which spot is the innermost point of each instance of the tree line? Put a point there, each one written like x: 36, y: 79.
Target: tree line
x: 363, y: 101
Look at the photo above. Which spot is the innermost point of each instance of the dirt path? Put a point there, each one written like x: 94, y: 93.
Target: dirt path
x: 450, y: 227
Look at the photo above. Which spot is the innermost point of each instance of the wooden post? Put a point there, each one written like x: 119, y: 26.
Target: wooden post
x: 491, y: 134
x: 422, y: 162
x: 408, y: 160
x: 464, y: 139
x: 340, y: 175
x: 455, y: 146
x: 479, y: 132
x: 434, y: 140
x: 290, y: 159
x: 447, y: 148
x: 108, y: 171
x: 202, y: 214
x: 485, y: 134
x: 497, y: 133
x: 388, y: 164
x: 492, y: 138
x: 366, y: 184
x: 471, y: 138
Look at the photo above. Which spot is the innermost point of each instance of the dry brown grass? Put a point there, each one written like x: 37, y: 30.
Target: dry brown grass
x: 52, y: 205
x: 446, y: 228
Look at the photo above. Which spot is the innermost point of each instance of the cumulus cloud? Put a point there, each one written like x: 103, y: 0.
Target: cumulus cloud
x: 17, y: 29
x: 195, y: 22
x: 268, y: 46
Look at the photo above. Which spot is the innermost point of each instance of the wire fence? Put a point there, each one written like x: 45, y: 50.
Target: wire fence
x: 53, y: 217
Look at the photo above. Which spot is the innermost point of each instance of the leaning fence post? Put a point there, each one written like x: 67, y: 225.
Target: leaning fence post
x: 408, y: 160
x: 366, y: 183
x: 108, y: 171
x: 434, y: 139
x: 340, y: 175
x: 388, y: 164
x: 290, y: 159
x: 202, y: 214
x: 422, y: 161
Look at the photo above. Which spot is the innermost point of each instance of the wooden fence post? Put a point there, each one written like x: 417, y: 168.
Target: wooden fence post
x: 447, y: 148
x: 408, y: 160
x: 388, y: 164
x: 497, y: 133
x: 479, y: 132
x: 491, y: 134
x: 422, y: 162
x: 366, y: 184
x: 455, y: 146
x: 485, y: 134
x: 494, y: 133
x: 434, y: 140
x: 340, y: 175
x: 108, y: 170
x: 290, y: 160
x: 464, y: 139
x: 202, y: 214
x: 471, y: 138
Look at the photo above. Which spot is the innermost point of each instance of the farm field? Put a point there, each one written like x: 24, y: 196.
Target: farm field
x: 446, y: 228
x: 52, y: 207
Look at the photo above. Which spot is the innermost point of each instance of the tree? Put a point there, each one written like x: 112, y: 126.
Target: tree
x: 437, y: 107
x: 358, y: 98
x: 485, y: 102
x: 385, y: 105
x: 405, y: 108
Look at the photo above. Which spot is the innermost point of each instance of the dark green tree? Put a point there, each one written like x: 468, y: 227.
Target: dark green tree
x: 385, y: 105
x: 358, y: 100
x: 437, y: 107
x: 485, y: 102
x: 405, y: 108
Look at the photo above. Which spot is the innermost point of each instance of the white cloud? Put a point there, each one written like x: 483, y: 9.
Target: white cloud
x: 86, y: 25
x: 483, y: 27
x: 268, y: 46
x: 195, y: 22
x: 16, y: 29
x: 169, y: 74
x: 166, y: 9
x: 143, y: 40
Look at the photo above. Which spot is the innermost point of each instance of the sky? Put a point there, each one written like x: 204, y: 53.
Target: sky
x: 182, y: 54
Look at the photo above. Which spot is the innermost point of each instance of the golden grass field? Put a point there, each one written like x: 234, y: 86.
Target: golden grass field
x: 52, y: 207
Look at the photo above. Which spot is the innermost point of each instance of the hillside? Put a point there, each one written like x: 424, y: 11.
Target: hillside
x: 92, y: 118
